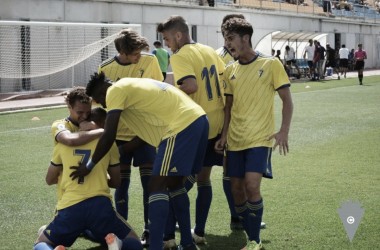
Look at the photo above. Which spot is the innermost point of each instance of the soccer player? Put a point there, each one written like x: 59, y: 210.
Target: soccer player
x: 196, y: 70
x: 359, y: 56
x: 249, y: 123
x: 309, y: 50
x: 343, y: 55
x: 331, y: 62
x: 164, y: 117
x: 132, y: 62
x: 316, y: 61
x: 86, y: 205
x: 162, y: 56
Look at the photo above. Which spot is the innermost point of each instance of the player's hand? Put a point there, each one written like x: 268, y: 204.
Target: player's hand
x: 219, y: 145
x: 86, y: 126
x: 281, y: 140
x: 80, y: 172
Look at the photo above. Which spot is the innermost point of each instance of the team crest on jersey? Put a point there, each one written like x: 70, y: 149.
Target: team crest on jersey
x: 141, y: 72
x: 61, y: 126
x: 260, y: 72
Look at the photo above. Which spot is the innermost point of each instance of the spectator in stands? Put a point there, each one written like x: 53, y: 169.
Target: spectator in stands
x: 326, y: 6
x: 290, y: 58
x: 211, y: 3
x: 322, y: 61
x: 344, y: 5
x: 309, y: 50
x: 351, y: 60
x: 316, y: 61
x: 330, y: 57
x: 377, y: 6
x: 343, y: 55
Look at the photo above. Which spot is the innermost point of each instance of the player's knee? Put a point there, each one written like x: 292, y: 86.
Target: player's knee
x: 204, y: 175
x: 175, y: 182
x: 253, y: 192
x: 157, y: 184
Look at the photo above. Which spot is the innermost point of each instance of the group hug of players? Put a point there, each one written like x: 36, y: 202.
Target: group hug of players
x: 220, y: 112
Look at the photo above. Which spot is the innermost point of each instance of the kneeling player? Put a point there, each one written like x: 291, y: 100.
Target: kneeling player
x: 86, y: 204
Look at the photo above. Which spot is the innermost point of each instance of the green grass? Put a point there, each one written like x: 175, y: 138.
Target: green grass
x: 333, y: 156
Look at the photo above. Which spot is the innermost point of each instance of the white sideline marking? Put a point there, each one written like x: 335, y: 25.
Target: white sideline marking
x: 26, y: 129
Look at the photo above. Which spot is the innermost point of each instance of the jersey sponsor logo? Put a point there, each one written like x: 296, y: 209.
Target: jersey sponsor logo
x: 61, y: 126
x: 233, y: 77
x: 260, y: 72
x: 174, y: 170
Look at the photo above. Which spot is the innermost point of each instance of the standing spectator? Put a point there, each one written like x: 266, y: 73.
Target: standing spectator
x: 322, y: 56
x: 343, y: 55
x: 273, y: 52
x: 290, y: 59
x: 309, y: 50
x: 211, y: 3
x: 360, y: 55
x: 162, y: 56
x: 330, y: 57
x: 316, y: 61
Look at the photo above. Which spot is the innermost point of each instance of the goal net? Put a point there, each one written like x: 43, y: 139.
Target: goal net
x: 37, y: 56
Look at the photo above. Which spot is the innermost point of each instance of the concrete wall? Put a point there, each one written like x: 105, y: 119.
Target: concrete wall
x: 206, y: 19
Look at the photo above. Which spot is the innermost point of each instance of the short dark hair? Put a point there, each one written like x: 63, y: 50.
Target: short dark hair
x: 174, y: 23
x: 273, y: 50
x: 278, y: 52
x: 343, y: 46
x: 98, y: 115
x: 96, y: 82
x: 77, y: 94
x: 158, y: 43
x: 360, y: 45
x: 129, y: 41
x: 229, y: 16
x: 239, y: 26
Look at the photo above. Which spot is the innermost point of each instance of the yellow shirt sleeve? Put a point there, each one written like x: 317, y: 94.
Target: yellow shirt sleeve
x: 57, y: 127
x: 56, y: 158
x: 280, y: 78
x: 116, y: 99
x: 114, y: 156
x: 156, y: 70
x: 182, y: 69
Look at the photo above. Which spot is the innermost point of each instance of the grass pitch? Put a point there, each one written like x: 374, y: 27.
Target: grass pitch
x: 334, y: 156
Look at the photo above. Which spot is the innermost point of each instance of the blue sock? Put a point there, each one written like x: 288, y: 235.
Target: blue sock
x: 42, y: 246
x: 145, y: 174
x: 131, y: 244
x: 170, y: 222
x: 202, y: 206
x: 255, y: 211
x: 190, y: 182
x: 181, y: 206
x: 158, y: 212
x: 242, y: 211
x: 121, y: 194
x: 229, y: 196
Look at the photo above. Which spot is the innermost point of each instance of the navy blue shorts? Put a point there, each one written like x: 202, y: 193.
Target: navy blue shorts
x: 249, y: 160
x: 95, y: 214
x: 212, y: 158
x: 183, y: 154
x: 140, y: 156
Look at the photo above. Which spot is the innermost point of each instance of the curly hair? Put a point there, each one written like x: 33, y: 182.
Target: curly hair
x: 174, y: 23
x: 129, y: 41
x: 239, y: 26
x: 77, y: 94
x: 95, y: 83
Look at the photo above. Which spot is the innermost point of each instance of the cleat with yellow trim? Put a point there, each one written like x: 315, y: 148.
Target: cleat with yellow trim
x: 253, y: 245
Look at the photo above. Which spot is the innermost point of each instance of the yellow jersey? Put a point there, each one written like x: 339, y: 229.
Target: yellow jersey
x: 153, y: 110
x: 62, y: 125
x: 201, y: 62
x: 147, y: 67
x: 253, y: 86
x: 94, y: 184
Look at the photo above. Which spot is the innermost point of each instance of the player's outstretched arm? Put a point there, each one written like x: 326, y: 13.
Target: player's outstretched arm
x: 115, y: 179
x: 281, y: 137
x: 53, y: 174
x: 189, y: 86
x: 219, y: 144
x: 77, y: 139
x: 132, y: 145
x: 104, y: 145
